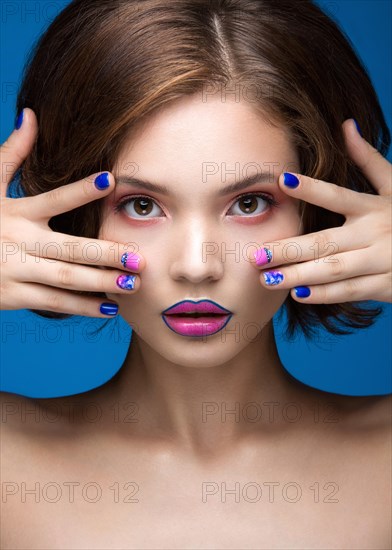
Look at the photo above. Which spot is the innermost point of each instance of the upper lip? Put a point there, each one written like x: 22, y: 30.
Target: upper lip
x: 190, y: 306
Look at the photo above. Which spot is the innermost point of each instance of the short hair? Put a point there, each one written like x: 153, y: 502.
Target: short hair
x: 101, y: 68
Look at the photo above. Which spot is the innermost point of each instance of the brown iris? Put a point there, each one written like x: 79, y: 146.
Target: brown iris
x: 247, y: 202
x: 141, y: 206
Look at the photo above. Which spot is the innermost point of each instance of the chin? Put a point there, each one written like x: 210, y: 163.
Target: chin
x: 203, y: 352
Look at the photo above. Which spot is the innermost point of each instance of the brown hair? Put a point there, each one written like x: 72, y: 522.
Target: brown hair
x: 103, y: 67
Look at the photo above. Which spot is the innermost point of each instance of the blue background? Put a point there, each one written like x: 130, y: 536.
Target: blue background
x: 44, y: 358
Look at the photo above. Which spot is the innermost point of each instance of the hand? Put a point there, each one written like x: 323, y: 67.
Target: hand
x: 32, y: 275
x: 347, y: 263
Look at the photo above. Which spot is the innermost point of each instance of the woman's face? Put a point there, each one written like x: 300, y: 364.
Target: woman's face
x: 198, y: 242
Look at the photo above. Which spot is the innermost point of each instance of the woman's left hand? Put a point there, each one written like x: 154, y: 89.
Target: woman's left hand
x: 349, y: 263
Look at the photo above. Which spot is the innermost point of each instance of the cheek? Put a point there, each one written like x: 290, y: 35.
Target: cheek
x: 286, y: 222
x: 283, y: 223
x: 105, y: 229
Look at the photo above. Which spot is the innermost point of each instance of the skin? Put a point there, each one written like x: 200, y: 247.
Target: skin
x: 345, y: 273
x: 160, y: 439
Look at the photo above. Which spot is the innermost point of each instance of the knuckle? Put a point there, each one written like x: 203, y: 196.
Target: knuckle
x: 53, y: 197
x: 88, y: 186
x: 4, y: 289
x: 345, y: 193
x: 336, y: 267
x: 112, y: 253
x: 322, y: 294
x: 54, y: 301
x: 293, y: 275
x: 64, y: 276
x: 351, y: 289
x: 322, y: 240
x: 86, y: 308
x: 103, y: 279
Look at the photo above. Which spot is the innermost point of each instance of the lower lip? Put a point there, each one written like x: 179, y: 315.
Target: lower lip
x: 196, y: 326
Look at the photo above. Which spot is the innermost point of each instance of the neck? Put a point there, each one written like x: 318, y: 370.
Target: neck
x: 205, y: 407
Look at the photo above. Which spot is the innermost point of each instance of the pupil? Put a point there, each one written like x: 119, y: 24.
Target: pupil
x: 248, y: 201
x: 141, y: 206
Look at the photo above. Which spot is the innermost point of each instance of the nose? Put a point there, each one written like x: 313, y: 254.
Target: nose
x: 196, y: 256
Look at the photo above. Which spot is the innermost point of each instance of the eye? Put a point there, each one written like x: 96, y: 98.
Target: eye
x: 250, y: 204
x: 141, y: 205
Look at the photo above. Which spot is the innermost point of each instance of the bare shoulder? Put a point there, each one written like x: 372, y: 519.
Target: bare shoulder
x: 27, y: 417
x: 35, y: 431
x: 16, y: 433
x: 15, y: 412
x: 58, y: 419
x: 371, y: 413
x: 350, y: 413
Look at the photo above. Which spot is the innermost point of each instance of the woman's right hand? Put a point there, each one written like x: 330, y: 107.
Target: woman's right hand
x: 38, y: 269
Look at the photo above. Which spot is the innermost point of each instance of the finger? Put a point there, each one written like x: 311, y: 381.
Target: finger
x: 311, y: 246
x: 76, y: 277
x: 322, y: 193
x: 69, y: 248
x: 342, y: 266
x: 376, y: 168
x: 67, y: 197
x: 17, y: 147
x: 43, y: 298
x: 370, y: 287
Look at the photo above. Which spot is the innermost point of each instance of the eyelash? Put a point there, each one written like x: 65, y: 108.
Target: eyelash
x: 270, y: 200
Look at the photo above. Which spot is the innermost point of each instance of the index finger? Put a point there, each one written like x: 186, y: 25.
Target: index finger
x: 311, y: 246
x: 67, y: 197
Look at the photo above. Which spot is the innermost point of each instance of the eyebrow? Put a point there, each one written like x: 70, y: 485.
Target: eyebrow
x: 243, y: 183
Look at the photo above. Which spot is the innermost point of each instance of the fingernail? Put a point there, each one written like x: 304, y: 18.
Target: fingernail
x: 302, y: 291
x: 263, y: 256
x: 19, y: 120
x: 127, y: 282
x: 358, y: 127
x: 109, y: 309
x: 102, y: 181
x: 273, y: 277
x: 290, y: 180
x: 130, y: 261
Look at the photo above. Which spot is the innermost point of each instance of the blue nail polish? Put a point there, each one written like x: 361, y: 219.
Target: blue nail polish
x: 290, y: 180
x: 109, y: 309
x: 19, y: 120
x: 273, y: 277
x: 358, y: 127
x: 127, y: 282
x: 102, y: 181
x: 302, y: 291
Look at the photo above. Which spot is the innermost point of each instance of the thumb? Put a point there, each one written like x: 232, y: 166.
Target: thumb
x: 17, y: 147
x: 377, y: 169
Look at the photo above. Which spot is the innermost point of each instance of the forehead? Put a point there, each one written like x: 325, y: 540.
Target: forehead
x: 196, y: 132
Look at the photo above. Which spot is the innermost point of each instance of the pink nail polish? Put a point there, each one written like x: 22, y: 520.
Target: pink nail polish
x: 130, y: 261
x: 263, y: 256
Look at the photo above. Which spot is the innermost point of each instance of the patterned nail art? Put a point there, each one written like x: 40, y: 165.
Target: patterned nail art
x: 130, y: 261
x: 127, y: 282
x: 273, y: 277
x: 263, y: 256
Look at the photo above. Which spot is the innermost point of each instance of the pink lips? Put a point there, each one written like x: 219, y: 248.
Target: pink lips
x: 215, y: 319
x: 187, y: 306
